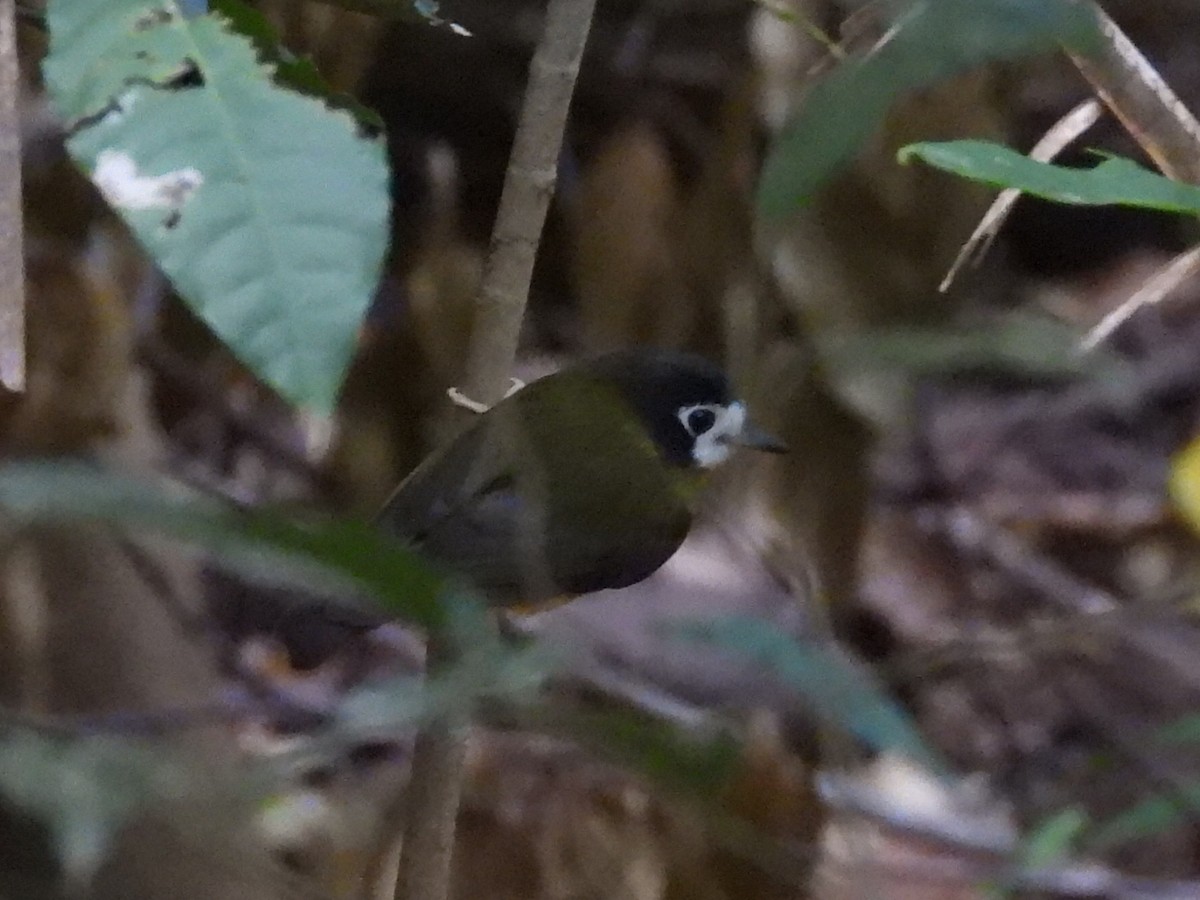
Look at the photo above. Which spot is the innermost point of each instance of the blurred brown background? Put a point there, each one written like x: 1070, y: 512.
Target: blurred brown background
x: 994, y: 536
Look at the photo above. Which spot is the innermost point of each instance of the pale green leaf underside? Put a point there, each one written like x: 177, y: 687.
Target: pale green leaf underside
x: 266, y: 209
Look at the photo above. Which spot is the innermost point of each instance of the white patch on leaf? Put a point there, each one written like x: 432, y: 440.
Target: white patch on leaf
x: 117, y: 177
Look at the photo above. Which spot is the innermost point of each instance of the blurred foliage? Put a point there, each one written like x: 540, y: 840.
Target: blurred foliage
x: 1151, y: 817
x: 1052, y: 840
x: 925, y: 42
x: 1114, y: 181
x: 485, y: 667
x: 1160, y: 811
x: 82, y: 789
x: 694, y: 761
x: 1019, y: 343
x: 657, y: 203
x: 292, y: 70
x: 331, y: 556
x: 184, y: 132
x: 842, y: 693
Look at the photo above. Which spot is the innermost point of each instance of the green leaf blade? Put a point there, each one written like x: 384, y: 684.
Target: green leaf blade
x: 1115, y: 181
x: 930, y: 41
x: 266, y: 208
x: 325, y: 555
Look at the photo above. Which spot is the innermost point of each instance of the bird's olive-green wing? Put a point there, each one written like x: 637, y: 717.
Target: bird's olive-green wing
x: 556, y: 490
x: 465, y: 507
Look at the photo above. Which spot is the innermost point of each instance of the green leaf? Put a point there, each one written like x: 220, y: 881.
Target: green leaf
x: 297, y: 72
x: 840, y: 691
x: 1053, y: 839
x: 82, y: 790
x: 1182, y: 731
x: 355, y: 554
x: 267, y: 209
x: 700, y: 764
x: 1151, y: 816
x: 930, y: 41
x: 483, y: 673
x: 1019, y: 343
x: 1115, y: 181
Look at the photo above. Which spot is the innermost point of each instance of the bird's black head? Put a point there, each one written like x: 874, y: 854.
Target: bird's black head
x: 685, y: 402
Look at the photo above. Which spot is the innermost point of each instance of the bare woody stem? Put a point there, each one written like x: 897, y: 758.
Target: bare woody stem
x: 528, y: 187
x: 439, y: 757
x: 12, y: 256
x: 1150, y: 111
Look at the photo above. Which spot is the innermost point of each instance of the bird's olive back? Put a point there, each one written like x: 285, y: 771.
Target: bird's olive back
x: 562, y: 488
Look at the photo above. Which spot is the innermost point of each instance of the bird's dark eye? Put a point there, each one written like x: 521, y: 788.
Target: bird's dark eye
x: 699, y: 420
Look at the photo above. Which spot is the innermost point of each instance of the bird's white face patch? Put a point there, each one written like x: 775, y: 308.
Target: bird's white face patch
x: 715, y: 429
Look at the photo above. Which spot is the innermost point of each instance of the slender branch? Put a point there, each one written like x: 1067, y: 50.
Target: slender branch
x: 12, y: 253
x: 528, y: 187
x: 1156, y: 118
x: 439, y: 757
x: 1052, y: 143
x: 1160, y: 286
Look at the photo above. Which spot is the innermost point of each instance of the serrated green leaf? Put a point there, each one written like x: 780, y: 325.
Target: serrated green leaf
x: 841, y: 692
x: 930, y: 41
x: 325, y: 555
x: 297, y: 72
x: 1115, y: 181
x: 267, y: 209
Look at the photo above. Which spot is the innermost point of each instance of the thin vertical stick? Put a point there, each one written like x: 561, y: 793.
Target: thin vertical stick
x: 12, y: 254
x: 439, y: 758
x: 528, y: 187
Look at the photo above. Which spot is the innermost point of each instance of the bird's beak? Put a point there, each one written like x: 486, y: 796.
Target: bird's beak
x: 756, y: 439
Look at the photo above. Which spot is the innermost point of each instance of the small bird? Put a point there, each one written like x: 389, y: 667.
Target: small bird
x: 580, y: 481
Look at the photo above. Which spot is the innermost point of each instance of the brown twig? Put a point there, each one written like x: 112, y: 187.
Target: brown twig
x: 528, y: 187
x: 439, y: 756
x: 1065, y: 130
x: 1150, y: 111
x: 12, y: 253
x: 1161, y: 285
x: 1074, y: 596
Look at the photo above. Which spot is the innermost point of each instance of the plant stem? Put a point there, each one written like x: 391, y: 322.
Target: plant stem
x: 528, y: 187
x: 1150, y: 111
x: 439, y: 758
x: 12, y: 255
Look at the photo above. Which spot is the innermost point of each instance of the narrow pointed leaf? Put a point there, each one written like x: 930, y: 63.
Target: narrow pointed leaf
x: 321, y: 556
x: 929, y: 41
x: 1115, y: 181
